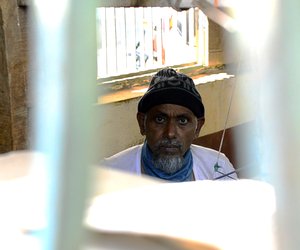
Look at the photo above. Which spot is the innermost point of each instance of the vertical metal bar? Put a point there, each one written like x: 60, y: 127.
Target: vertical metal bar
x: 272, y: 44
x: 140, y: 45
x: 157, y: 35
x: 63, y: 79
x: 102, y: 44
x: 120, y: 40
x: 205, y: 51
x: 284, y: 78
x: 130, y: 38
x: 191, y: 22
x: 200, y: 37
x: 148, y: 36
x: 111, y: 41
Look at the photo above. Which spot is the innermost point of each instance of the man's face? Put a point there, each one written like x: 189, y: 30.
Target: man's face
x: 169, y: 129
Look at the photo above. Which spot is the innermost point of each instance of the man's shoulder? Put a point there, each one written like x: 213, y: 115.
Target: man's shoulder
x: 128, y: 159
x: 126, y: 152
x: 208, y: 152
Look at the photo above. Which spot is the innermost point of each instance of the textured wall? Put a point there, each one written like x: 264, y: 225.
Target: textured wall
x: 5, y: 114
x: 118, y: 128
x: 13, y: 73
x: 216, y: 43
x: 14, y: 115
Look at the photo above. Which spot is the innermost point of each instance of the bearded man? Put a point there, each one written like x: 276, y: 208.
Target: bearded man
x: 170, y: 116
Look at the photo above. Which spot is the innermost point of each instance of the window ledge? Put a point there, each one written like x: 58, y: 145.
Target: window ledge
x: 130, y: 87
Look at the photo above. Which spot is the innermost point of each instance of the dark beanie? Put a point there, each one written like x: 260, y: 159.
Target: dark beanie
x: 170, y: 87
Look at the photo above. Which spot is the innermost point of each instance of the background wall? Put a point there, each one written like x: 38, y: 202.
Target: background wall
x: 13, y: 76
x: 118, y: 128
x: 116, y: 122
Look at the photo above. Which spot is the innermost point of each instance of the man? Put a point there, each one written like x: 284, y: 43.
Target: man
x: 170, y: 116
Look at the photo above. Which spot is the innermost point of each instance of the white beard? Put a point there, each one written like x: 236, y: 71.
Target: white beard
x: 168, y: 163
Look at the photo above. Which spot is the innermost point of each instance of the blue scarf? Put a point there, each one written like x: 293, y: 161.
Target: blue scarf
x: 183, y: 174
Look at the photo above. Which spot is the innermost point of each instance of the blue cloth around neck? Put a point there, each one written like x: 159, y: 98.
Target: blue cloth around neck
x: 183, y: 174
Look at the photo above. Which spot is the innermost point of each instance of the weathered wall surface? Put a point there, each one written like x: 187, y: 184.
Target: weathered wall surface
x: 118, y: 128
x: 5, y: 115
x: 216, y: 42
x: 14, y: 114
x: 13, y: 76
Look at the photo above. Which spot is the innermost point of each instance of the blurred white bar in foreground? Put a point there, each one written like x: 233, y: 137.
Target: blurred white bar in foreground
x: 63, y: 78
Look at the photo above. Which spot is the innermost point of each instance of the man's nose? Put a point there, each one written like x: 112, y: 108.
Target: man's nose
x: 171, y: 129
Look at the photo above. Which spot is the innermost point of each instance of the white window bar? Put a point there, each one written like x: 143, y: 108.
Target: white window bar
x: 148, y: 36
x: 139, y: 27
x: 157, y: 37
x: 62, y: 87
x: 130, y: 39
x: 111, y: 41
x: 101, y: 41
x: 120, y: 40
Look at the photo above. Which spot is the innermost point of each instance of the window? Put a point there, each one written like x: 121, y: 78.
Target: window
x: 130, y: 40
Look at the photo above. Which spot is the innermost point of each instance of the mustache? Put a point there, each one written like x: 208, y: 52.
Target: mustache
x: 169, y: 143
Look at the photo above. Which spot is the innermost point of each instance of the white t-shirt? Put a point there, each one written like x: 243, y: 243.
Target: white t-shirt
x: 204, y: 160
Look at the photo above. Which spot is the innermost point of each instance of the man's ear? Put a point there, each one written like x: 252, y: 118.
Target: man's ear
x: 200, y: 123
x: 141, y: 121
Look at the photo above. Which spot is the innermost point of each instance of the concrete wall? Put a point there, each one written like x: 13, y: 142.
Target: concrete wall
x: 5, y: 114
x: 13, y: 76
x: 215, y: 43
x: 116, y: 121
x: 118, y: 128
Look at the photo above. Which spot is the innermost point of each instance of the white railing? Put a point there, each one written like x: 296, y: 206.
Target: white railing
x: 137, y: 39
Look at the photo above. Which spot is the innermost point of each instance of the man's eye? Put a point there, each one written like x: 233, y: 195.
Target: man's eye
x: 183, y: 120
x: 160, y: 119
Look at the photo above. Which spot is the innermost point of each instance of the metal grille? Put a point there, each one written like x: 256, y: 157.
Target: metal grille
x: 136, y: 39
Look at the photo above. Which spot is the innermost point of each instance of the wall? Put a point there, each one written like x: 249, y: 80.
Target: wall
x: 5, y: 114
x: 13, y: 77
x: 118, y: 131
x: 118, y: 128
x: 216, y: 43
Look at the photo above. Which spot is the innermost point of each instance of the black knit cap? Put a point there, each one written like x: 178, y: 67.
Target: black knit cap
x: 170, y: 87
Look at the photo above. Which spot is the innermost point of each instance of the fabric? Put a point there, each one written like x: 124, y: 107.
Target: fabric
x: 168, y: 86
x: 183, y: 174
x: 204, y: 160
